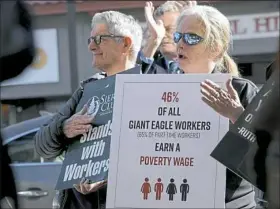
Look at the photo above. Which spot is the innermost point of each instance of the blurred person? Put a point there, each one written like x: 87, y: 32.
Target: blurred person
x: 272, y: 160
x: 272, y: 66
x: 203, y: 38
x: 159, y: 48
x: 115, y: 41
x: 272, y: 167
x: 264, y: 131
x: 17, y: 52
x: 267, y: 125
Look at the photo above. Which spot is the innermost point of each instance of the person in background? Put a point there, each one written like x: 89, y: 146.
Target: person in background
x: 159, y: 47
x: 17, y: 52
x: 17, y: 46
x: 270, y: 122
x: 267, y: 125
x: 114, y: 42
x: 203, y: 38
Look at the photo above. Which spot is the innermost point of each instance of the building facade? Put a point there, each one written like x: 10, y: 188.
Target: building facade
x: 51, y: 79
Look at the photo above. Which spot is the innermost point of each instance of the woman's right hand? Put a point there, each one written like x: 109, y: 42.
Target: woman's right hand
x: 156, y: 28
x: 224, y: 102
x: 86, y: 187
x: 78, y: 124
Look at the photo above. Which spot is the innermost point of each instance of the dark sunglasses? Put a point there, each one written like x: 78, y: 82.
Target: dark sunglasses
x: 97, y: 39
x: 188, y: 38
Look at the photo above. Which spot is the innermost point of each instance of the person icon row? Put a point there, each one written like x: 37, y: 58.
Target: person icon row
x: 171, y: 189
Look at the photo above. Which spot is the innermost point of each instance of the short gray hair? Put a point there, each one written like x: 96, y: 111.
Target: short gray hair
x: 121, y: 25
x: 170, y: 6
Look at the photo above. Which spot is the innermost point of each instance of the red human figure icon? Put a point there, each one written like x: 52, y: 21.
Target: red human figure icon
x: 158, y: 189
x: 146, y: 188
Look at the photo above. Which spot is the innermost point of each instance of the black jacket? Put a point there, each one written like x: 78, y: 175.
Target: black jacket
x: 267, y: 127
x: 239, y: 192
x: 159, y: 65
x: 159, y: 62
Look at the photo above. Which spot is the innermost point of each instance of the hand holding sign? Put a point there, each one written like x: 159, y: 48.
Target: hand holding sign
x: 78, y: 124
x: 226, y: 103
x: 86, y: 187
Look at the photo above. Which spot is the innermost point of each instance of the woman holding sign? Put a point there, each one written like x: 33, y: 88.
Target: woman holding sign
x: 203, y: 38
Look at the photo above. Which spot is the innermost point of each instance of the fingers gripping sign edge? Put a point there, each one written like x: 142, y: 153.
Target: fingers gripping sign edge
x: 86, y: 187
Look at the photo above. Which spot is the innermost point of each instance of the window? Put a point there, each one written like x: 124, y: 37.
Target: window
x: 22, y: 150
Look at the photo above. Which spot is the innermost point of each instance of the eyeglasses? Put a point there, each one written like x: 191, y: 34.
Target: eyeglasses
x: 97, y: 39
x: 188, y: 38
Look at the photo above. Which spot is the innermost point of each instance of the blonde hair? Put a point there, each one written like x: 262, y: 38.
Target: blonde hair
x: 217, y: 34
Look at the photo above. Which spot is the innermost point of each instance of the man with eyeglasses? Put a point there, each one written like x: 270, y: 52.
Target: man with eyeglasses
x: 160, y: 49
x: 114, y: 42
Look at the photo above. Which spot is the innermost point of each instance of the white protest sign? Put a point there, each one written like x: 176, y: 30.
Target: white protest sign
x: 163, y: 134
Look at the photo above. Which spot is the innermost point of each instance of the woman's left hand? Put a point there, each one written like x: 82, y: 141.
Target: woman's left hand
x: 224, y: 102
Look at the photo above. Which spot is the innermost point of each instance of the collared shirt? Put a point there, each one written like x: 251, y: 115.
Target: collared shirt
x: 145, y: 59
x: 173, y: 68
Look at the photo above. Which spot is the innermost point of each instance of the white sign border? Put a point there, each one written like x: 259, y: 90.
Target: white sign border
x: 123, y: 79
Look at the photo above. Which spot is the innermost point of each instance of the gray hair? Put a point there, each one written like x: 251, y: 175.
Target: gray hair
x: 121, y: 25
x: 170, y: 6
